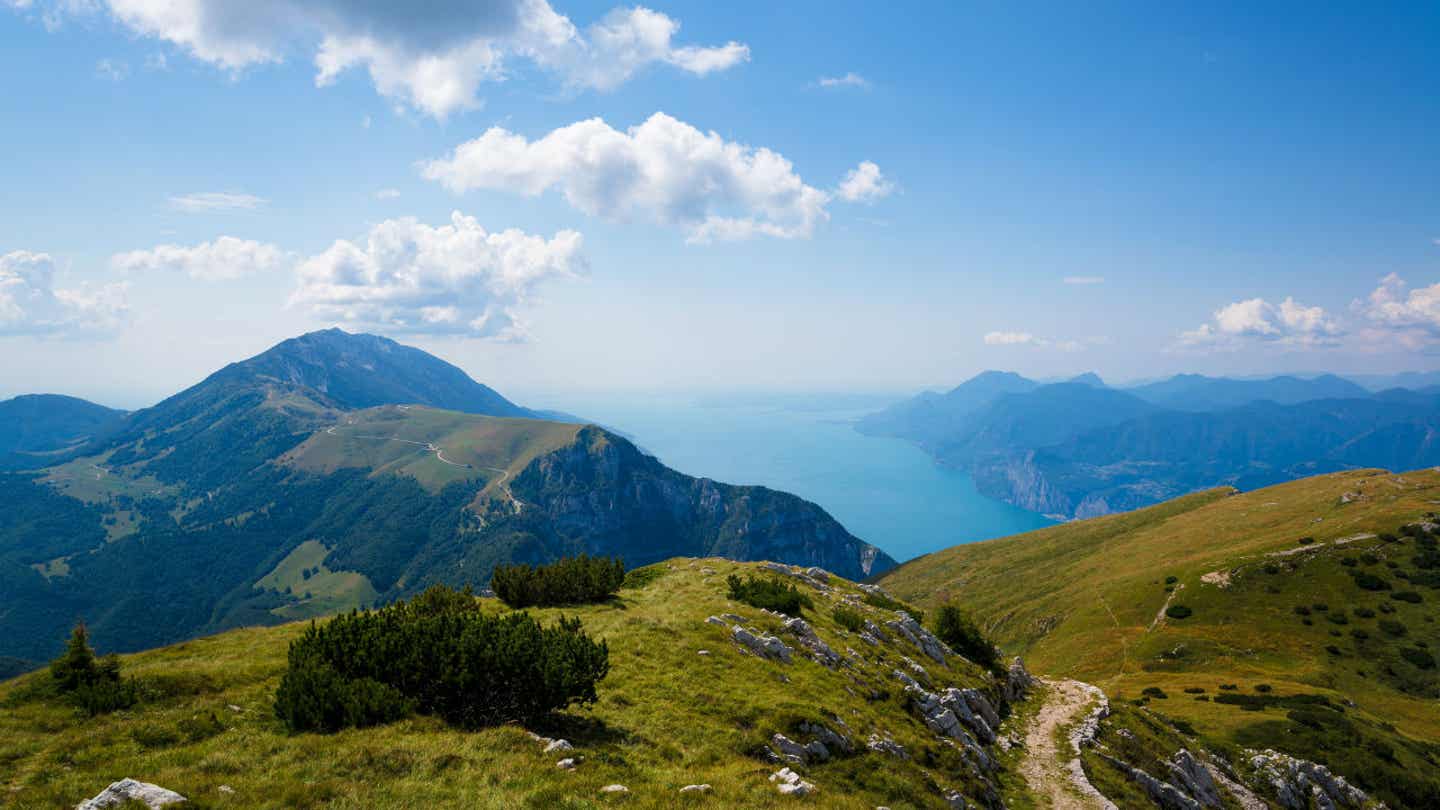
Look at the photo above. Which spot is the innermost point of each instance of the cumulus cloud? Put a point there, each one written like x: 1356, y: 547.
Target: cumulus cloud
x: 1256, y: 320
x: 432, y: 56
x: 455, y: 279
x: 224, y: 259
x: 865, y: 183
x: 30, y: 304
x: 1395, y: 314
x: 664, y: 170
x: 851, y: 79
x: 207, y: 201
x: 1033, y: 341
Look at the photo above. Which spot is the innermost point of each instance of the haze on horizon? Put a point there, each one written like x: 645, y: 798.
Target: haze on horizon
x: 577, y: 196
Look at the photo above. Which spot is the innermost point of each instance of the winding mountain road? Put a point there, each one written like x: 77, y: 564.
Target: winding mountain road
x: 431, y: 447
x: 1051, y: 765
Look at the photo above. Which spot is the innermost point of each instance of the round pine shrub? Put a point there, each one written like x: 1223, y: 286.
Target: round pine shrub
x: 1390, y: 627
x: 436, y: 654
x: 1421, y: 659
x: 1179, y: 612
x: 848, y: 618
x: 1407, y: 596
x: 1302, y: 610
x: 955, y: 629
x: 568, y: 581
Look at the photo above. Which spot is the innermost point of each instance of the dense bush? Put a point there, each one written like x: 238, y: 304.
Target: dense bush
x: 955, y: 629
x: 436, y: 654
x: 1363, y: 612
x: 768, y: 593
x: 92, y: 684
x: 1418, y: 657
x: 1391, y: 627
x: 847, y: 618
x: 569, y: 581
x: 1406, y: 596
x: 1179, y: 612
x: 1369, y: 581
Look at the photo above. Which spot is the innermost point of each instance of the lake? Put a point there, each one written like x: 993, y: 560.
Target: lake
x: 885, y: 491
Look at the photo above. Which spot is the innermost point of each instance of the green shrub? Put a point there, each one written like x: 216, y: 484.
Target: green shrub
x: 1359, y: 634
x: 1305, y: 541
x: 568, y: 581
x: 1262, y: 687
x: 1418, y: 657
x: 1338, y: 618
x: 1320, y: 607
x: 884, y: 602
x: 1179, y: 612
x: 1369, y: 581
x: 1407, y: 596
x: 847, y: 618
x: 770, y: 593
x: 1229, y: 687
x: 1171, y: 580
x: 1391, y: 627
x: 1363, y: 612
x: 92, y: 684
x: 1194, y: 690
x: 1302, y: 610
x: 1332, y: 649
x: 1349, y: 562
x: 1369, y: 559
x: 437, y: 654
x: 1154, y: 692
x: 957, y: 630
x: 1271, y: 568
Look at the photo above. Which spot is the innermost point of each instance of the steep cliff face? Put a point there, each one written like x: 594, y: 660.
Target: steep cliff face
x: 602, y: 495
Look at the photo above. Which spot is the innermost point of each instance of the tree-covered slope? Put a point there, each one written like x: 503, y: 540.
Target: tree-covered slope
x: 35, y: 428
x: 1299, y: 617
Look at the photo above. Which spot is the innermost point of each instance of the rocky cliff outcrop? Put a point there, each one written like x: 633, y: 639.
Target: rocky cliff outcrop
x: 602, y: 495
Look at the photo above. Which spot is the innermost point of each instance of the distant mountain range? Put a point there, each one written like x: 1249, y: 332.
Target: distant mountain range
x: 1080, y: 449
x: 332, y: 471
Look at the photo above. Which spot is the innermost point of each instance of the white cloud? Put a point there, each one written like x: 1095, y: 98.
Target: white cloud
x: 432, y: 56
x: 157, y: 61
x: 1081, y: 280
x: 224, y: 259
x: 30, y: 304
x: 387, y: 194
x: 1394, y: 314
x: 1256, y: 320
x: 455, y: 279
x: 851, y: 79
x: 1011, y: 339
x: 207, y: 201
x: 112, y: 70
x: 865, y: 183
x: 664, y: 170
x: 1036, y: 342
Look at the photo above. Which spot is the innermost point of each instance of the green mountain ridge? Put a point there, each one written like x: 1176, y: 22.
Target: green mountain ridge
x: 161, y: 528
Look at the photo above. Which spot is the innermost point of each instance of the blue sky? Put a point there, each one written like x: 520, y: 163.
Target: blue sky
x: 1234, y: 185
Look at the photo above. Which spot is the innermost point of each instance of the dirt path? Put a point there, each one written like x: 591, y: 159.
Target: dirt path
x: 1051, y: 765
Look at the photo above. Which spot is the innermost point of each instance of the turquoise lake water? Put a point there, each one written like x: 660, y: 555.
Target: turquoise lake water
x: 885, y: 491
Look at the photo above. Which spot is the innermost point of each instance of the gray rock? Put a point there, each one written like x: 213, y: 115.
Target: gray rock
x: 1018, y: 681
x: 819, y: 650
x: 789, y: 750
x: 131, y: 790
x: 832, y: 741
x: 558, y: 745
x: 818, y: 574
x: 715, y: 620
x: 1296, y: 782
x: 1191, y: 776
x: 954, y: 800
x: 884, y: 745
x: 568, y: 764
x: 621, y: 789
x: 1164, y: 794
x: 789, y: 783
x: 695, y: 789
x: 762, y: 645
x: 906, y: 627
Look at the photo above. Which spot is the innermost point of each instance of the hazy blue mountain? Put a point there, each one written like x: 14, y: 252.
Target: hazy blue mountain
x: 1409, y: 379
x: 933, y: 417
x: 169, y: 525
x: 1168, y: 453
x: 1089, y: 378
x: 1195, y: 392
x: 35, y: 427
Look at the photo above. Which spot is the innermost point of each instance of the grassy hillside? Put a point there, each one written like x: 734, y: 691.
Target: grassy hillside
x: 435, y: 447
x: 683, y: 705
x: 1284, y: 591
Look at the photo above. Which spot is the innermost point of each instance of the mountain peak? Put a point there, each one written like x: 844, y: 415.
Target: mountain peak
x: 1088, y: 378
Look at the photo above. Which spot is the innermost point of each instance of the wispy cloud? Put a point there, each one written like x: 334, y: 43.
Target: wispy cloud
x: 1033, y: 341
x: 387, y: 194
x: 112, y: 70
x: 1081, y: 280
x: 851, y: 79
x: 207, y: 201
